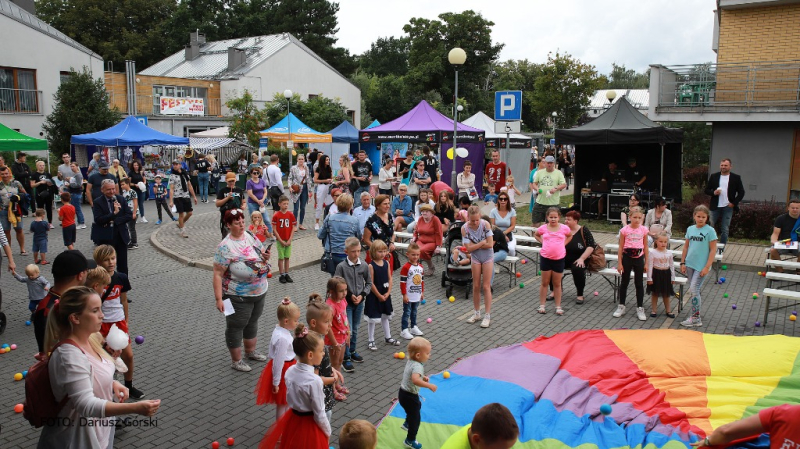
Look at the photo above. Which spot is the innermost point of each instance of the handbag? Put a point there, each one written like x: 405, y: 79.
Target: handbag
x: 413, y: 187
x: 395, y: 261
x: 597, y: 260
x: 326, y: 263
x: 354, y: 185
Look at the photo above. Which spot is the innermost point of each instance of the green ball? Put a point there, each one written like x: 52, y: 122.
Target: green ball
x: 725, y: 295
x: 755, y: 296
x: 521, y: 285
x: 540, y: 273
x: 724, y: 267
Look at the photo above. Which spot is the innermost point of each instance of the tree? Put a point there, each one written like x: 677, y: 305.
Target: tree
x: 81, y: 106
x: 319, y: 113
x: 623, y: 78
x: 246, y: 120
x: 564, y: 86
x: 386, y: 56
x: 518, y: 75
x: 696, y: 142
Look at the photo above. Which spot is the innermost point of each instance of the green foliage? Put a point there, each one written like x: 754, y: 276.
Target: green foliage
x: 518, y: 75
x: 623, y: 78
x: 565, y: 85
x: 81, y: 106
x: 386, y: 56
x: 696, y: 142
x: 319, y: 113
x: 246, y: 120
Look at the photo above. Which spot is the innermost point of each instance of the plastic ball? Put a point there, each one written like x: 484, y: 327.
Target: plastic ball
x: 792, y: 318
x: 215, y: 445
x: 139, y: 339
x: 539, y: 272
x: 519, y: 275
x: 438, y: 301
x: 294, y: 153
x: 423, y: 301
x: 446, y: 374
x: 755, y: 295
x: 794, y: 312
x: 521, y: 285
x: 230, y: 441
x: 605, y: 409
x: 722, y: 279
x: 725, y: 295
x: 27, y: 323
x: 452, y: 299
x: 758, y: 323
x: 269, y: 275
x: 401, y: 355
x: 523, y: 261
x: 5, y: 345
x: 733, y: 307
x: 724, y: 267
x: 18, y: 376
x: 396, y: 355
x: 596, y: 293
x: 25, y: 374
x: 429, y: 320
x: 13, y: 346
x: 759, y: 273
x: 18, y: 408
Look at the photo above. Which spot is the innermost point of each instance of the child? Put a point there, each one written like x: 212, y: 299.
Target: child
x: 37, y: 285
x: 698, y: 255
x: 160, y: 192
x: 39, y: 227
x: 359, y: 284
x: 379, y: 300
x: 66, y: 214
x: 478, y: 240
x: 490, y: 197
x: 133, y: 204
x: 553, y: 236
x: 512, y: 190
x: 115, y: 308
x: 284, y: 222
x: 459, y: 256
x: 271, y: 388
x: 307, y: 426
x: 339, y: 332
x: 257, y: 226
x: 419, y: 351
x: 632, y: 240
x: 358, y: 434
x: 660, y: 274
x: 97, y: 279
x: 463, y: 204
x: 319, y: 316
x: 493, y: 426
x: 412, y: 288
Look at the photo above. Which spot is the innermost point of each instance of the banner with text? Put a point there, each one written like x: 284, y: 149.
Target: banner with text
x: 182, y: 106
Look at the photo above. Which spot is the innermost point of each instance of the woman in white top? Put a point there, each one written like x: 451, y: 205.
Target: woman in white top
x: 505, y: 218
x: 299, y: 176
x: 76, y: 367
x: 385, y: 177
x: 465, y: 180
x: 659, y: 218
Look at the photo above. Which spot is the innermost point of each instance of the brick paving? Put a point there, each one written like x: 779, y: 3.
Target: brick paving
x: 184, y: 361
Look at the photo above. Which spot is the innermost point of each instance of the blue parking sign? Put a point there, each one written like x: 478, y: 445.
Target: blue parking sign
x: 508, y: 105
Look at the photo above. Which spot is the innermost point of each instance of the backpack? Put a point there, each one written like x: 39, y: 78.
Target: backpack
x: 40, y: 406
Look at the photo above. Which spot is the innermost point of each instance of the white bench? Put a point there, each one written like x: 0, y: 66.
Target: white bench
x: 403, y: 235
x: 679, y: 280
x: 404, y: 245
x: 613, y: 247
x: 529, y: 230
x: 510, y: 266
x: 776, y: 293
x: 772, y: 263
x: 522, y: 238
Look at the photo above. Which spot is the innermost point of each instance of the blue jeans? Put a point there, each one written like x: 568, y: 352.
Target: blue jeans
x: 357, y: 194
x: 337, y: 259
x: 499, y: 256
x: 695, y: 282
x: 253, y: 207
x: 300, y: 205
x: 724, y: 214
x: 140, y: 197
x: 354, y: 316
x: 75, y: 200
x: 409, y: 311
x: 202, y: 181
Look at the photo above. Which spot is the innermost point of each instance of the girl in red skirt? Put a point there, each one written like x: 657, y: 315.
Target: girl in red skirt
x: 271, y: 387
x: 305, y: 426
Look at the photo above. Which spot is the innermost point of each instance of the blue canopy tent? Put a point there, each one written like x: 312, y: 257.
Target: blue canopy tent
x: 372, y: 149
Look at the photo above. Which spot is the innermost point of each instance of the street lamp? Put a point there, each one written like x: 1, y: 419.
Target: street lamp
x: 610, y: 96
x: 457, y: 57
x: 287, y: 94
x: 554, y: 115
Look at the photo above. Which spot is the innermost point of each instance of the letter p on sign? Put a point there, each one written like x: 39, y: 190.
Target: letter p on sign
x: 508, y: 105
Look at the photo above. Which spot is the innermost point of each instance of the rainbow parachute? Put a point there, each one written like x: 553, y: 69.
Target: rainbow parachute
x: 666, y: 388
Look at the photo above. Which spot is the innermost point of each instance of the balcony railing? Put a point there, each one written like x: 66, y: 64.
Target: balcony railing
x: 149, y: 105
x: 20, y: 101
x: 771, y: 87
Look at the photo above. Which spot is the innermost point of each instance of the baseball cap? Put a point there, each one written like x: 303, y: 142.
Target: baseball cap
x: 71, y: 263
x: 103, y: 165
x: 176, y: 161
x: 549, y: 159
x: 230, y: 176
x: 159, y: 175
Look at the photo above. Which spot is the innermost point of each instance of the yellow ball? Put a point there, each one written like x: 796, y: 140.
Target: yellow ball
x: 452, y: 299
x: 792, y: 317
x: 294, y: 153
x: 446, y: 374
x: 18, y: 376
x: 450, y: 154
x: 401, y: 355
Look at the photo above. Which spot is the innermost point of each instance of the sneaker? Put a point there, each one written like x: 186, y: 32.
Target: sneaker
x: 692, y: 321
x: 486, y: 321
x: 52, y: 227
x: 404, y: 426
x: 356, y: 357
x: 282, y: 279
x: 135, y: 393
x: 412, y: 444
x: 476, y: 315
x: 240, y: 365
x: 144, y: 220
x: 158, y: 222
x: 640, y: 314
x: 135, y: 246
x: 83, y: 226
x: 416, y: 332
x: 173, y: 219
x: 316, y: 227
x: 347, y: 366
x: 406, y: 334
x: 183, y: 233
x: 288, y: 278
x: 389, y: 341
x: 620, y: 311
x: 371, y: 346
x: 256, y: 356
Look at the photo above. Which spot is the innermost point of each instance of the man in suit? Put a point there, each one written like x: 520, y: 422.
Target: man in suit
x: 111, y: 217
x: 726, y: 190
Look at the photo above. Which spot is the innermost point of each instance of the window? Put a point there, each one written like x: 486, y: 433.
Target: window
x: 351, y: 115
x: 63, y: 77
x: 312, y: 96
x: 18, y: 92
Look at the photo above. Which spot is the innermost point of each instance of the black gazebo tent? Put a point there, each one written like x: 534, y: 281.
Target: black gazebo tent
x: 621, y: 133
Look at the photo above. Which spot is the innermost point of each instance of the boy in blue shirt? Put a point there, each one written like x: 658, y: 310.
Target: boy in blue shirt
x: 490, y: 197
x: 160, y: 192
x: 39, y: 227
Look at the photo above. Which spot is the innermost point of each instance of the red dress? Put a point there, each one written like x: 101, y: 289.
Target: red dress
x: 280, y: 349
x: 428, y: 236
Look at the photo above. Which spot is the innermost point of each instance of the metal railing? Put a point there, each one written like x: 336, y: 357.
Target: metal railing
x: 768, y: 86
x: 149, y: 105
x: 20, y: 101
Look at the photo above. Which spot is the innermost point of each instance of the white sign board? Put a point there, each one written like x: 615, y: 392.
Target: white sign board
x: 507, y: 127
x: 182, y: 106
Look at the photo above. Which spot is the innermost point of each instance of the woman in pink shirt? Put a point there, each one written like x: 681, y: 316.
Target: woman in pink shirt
x: 554, y: 237
x: 633, y: 249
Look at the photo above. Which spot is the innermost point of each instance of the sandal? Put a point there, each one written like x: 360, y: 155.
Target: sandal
x: 344, y: 390
x: 44, y: 262
x: 339, y: 396
x: 392, y: 342
x: 302, y: 228
x: 541, y: 310
x: 23, y: 253
x: 559, y: 311
x: 653, y: 315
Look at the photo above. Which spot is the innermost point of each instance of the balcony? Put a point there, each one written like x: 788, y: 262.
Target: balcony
x: 150, y: 105
x: 714, y: 89
x: 20, y: 101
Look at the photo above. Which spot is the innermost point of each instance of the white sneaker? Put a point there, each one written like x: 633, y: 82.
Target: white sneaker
x: 144, y: 220
x: 486, y: 321
x: 316, y: 227
x: 83, y: 226
x: 476, y: 315
x: 183, y: 233
x: 692, y: 322
x: 640, y: 314
x: 620, y: 311
x: 406, y: 334
x: 416, y: 332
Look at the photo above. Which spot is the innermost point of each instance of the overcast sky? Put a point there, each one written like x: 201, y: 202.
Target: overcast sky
x: 634, y: 33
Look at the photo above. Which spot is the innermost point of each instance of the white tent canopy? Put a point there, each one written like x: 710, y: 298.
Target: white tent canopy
x: 518, y: 159
x: 216, y: 132
x: 484, y: 122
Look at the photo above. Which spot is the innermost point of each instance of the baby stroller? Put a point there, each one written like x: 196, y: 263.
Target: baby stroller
x: 453, y: 274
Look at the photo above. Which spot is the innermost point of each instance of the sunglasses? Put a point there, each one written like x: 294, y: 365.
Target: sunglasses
x: 254, y: 173
x: 502, y: 199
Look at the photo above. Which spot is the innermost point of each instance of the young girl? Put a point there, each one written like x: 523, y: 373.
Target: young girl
x: 554, y: 237
x: 478, y: 240
x: 257, y: 226
x: 319, y: 316
x: 698, y: 255
x: 660, y: 274
x: 632, y: 240
x: 378, y: 308
x: 271, y: 387
x: 339, y: 333
x: 513, y: 191
x: 306, y: 426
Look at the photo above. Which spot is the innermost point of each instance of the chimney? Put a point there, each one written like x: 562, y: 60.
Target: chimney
x: 192, y: 51
x: 236, y: 58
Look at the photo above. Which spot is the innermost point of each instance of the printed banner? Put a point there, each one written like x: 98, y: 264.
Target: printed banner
x: 182, y: 106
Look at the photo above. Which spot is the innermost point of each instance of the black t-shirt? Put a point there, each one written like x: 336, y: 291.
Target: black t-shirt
x: 404, y: 166
x: 362, y: 169
x: 95, y: 180
x: 136, y: 178
x: 431, y: 166
x: 202, y: 166
x: 500, y: 242
x: 234, y: 203
x: 22, y: 173
x: 785, y: 223
x: 43, y: 190
x: 634, y: 174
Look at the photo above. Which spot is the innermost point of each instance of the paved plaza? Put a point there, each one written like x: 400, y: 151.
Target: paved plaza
x: 184, y: 362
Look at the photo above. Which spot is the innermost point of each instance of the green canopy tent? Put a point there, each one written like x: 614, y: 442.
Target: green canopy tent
x: 11, y: 140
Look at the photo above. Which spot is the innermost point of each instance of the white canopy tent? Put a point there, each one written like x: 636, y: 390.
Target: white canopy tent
x: 216, y: 132
x: 517, y: 159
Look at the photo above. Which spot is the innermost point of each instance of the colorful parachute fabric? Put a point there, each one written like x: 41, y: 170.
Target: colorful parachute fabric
x: 666, y: 388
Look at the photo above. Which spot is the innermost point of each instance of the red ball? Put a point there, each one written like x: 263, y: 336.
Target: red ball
x: 215, y: 445
x: 519, y: 275
x: 269, y: 275
x: 230, y: 441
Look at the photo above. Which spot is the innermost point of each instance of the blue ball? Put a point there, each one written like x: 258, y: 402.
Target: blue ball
x: 25, y: 374
x: 27, y: 323
x: 423, y: 301
x: 722, y: 279
x: 438, y: 301
x: 605, y: 409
